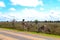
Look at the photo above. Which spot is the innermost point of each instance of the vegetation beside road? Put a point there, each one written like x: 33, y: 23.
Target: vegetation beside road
x: 45, y: 27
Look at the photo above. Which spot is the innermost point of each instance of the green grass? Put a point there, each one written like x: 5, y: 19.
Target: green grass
x: 44, y: 34
x: 41, y: 34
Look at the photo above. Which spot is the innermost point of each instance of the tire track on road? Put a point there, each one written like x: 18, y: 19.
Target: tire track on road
x: 24, y: 36
x: 3, y: 37
x: 14, y: 36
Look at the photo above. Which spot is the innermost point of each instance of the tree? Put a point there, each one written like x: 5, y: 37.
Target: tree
x: 36, y: 25
x: 13, y: 23
x: 23, y: 20
x: 23, y: 23
x: 36, y: 21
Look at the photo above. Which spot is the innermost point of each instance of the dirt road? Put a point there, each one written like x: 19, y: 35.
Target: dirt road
x: 8, y: 35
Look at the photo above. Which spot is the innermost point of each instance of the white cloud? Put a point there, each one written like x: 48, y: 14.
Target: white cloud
x: 27, y: 2
x: 28, y: 14
x: 12, y: 9
x: 55, y: 14
x: 31, y: 14
x: 41, y: 2
x: 2, y: 4
x: 42, y: 9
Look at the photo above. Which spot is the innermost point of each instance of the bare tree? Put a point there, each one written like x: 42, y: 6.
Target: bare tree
x: 13, y: 23
x: 23, y: 23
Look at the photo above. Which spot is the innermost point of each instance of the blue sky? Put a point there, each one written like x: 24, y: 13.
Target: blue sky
x: 29, y: 10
